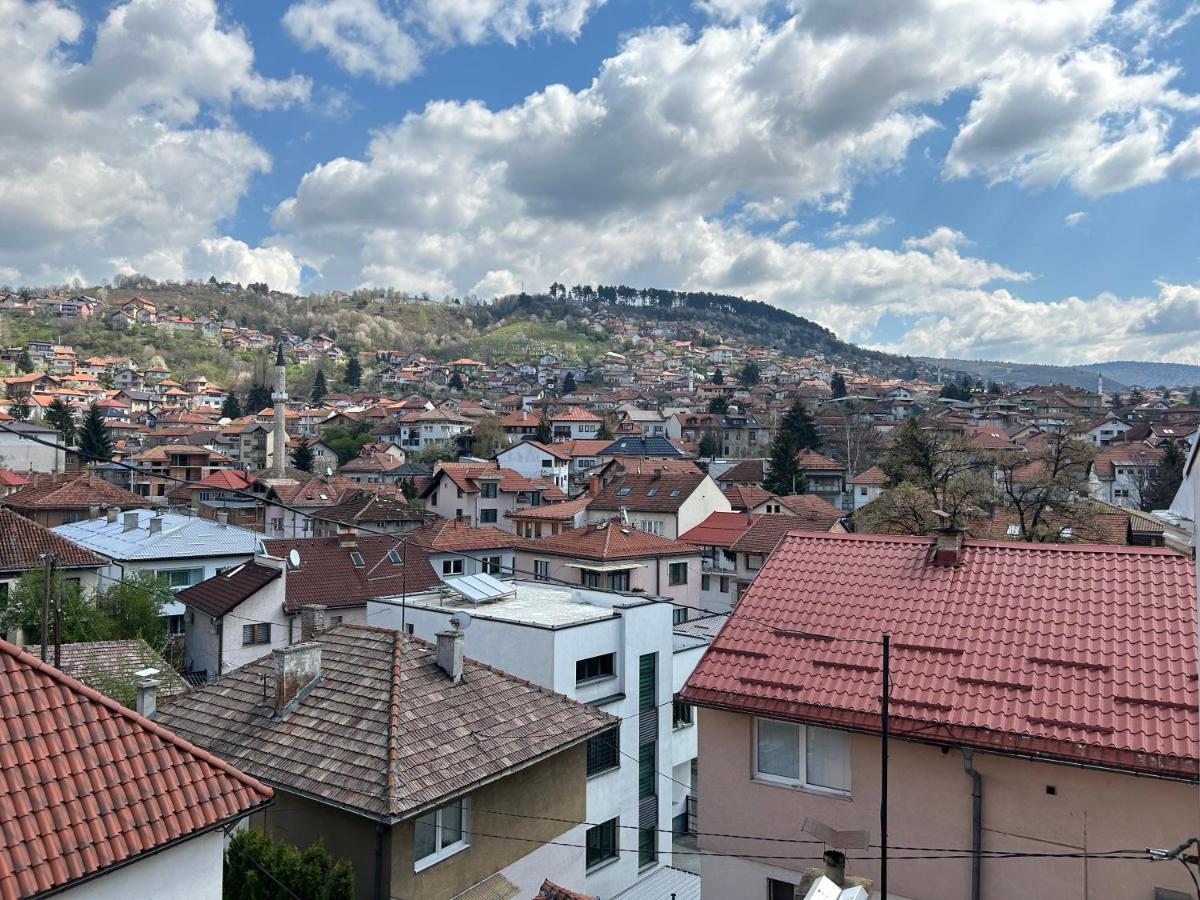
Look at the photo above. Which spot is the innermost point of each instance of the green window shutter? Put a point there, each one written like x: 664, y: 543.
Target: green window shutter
x: 647, y: 680
x: 646, y: 773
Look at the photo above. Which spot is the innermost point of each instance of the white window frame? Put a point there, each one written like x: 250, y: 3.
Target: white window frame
x: 541, y: 570
x: 449, y: 850
x: 800, y: 783
x: 452, y: 566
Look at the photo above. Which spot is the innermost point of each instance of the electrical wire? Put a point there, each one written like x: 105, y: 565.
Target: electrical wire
x: 401, y: 540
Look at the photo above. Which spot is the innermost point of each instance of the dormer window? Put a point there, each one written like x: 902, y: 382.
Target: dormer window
x: 356, y: 559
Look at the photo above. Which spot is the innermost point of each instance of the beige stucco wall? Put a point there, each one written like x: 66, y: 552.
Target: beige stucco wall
x: 930, y: 806
x: 652, y: 575
x: 553, y: 789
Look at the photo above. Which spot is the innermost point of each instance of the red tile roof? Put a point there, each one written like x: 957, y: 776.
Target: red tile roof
x: 575, y: 414
x: 748, y: 471
x: 327, y: 574
x: 568, y: 509
x: 873, y: 476
x: 813, y: 512
x: 73, y: 490
x: 608, y: 540
x: 12, y: 479
x: 224, y: 480
x: 23, y: 543
x: 746, y: 496
x: 582, y: 447
x: 449, y: 535
x: 720, y: 529
x: 765, y: 534
x: 648, y: 493
x: 86, y: 784
x: 812, y: 461
x: 466, y: 476
x: 1080, y: 653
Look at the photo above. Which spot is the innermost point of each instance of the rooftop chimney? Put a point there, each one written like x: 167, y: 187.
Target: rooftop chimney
x: 156, y: 524
x: 112, y: 514
x: 147, y: 697
x: 312, y: 621
x: 130, y: 521
x: 94, y: 511
x: 835, y: 867
x: 450, y: 653
x: 222, y: 517
x: 348, y: 539
x: 297, y: 668
x: 948, y: 546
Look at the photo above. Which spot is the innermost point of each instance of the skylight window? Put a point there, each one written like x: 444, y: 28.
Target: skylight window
x: 357, y: 559
x: 393, y: 556
x: 623, y: 492
x: 653, y: 492
x: 674, y: 493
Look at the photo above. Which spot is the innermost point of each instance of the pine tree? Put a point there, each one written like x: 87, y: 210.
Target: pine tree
x: 18, y: 407
x: 837, y: 386
x: 456, y: 382
x: 24, y: 363
x: 783, y: 477
x: 718, y: 405
x: 319, y: 389
x: 800, y: 428
x: 717, y: 377
x: 231, y: 408
x: 568, y: 385
x: 1163, y: 483
x: 353, y: 372
x: 1194, y: 397
x: 258, y: 398
x: 709, y: 447
x: 94, y: 443
x: 605, y: 433
x: 750, y: 374
x: 303, y: 457
x: 544, y: 433
x: 58, y: 417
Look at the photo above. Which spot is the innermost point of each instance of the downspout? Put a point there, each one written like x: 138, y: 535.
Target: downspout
x: 976, y: 819
x: 379, y: 833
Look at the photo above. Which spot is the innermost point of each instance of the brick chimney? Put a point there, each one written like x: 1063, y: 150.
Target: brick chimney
x: 948, y: 546
x: 297, y: 668
x: 312, y: 620
x: 348, y: 539
x: 450, y: 653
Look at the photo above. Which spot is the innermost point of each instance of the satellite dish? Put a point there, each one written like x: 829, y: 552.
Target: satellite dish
x: 328, y: 472
x: 293, y: 558
x: 460, y: 621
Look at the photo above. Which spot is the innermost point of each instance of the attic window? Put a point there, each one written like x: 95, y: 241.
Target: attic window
x: 653, y: 492
x: 674, y: 493
x: 357, y: 559
x: 623, y: 492
x: 394, y: 557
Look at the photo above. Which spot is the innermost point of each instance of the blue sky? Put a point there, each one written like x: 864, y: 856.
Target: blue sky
x: 990, y: 178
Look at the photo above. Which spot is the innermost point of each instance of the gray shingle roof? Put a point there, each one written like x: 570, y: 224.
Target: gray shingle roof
x: 224, y: 592
x: 384, y: 731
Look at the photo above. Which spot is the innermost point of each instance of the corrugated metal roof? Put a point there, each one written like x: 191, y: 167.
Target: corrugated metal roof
x: 664, y: 882
x: 181, y: 537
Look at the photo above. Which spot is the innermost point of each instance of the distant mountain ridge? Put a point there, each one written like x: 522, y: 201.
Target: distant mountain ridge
x: 1147, y: 374
x: 1026, y: 374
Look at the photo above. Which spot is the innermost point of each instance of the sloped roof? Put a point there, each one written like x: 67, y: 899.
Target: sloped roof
x: 720, y: 529
x: 746, y: 496
x: 23, y: 543
x: 873, y: 476
x: 86, y: 784
x: 71, y: 490
x: 583, y: 447
x: 575, y: 414
x: 224, y: 480
x: 608, y: 540
x: 765, y: 534
x: 812, y: 461
x: 448, y: 535
x: 384, y: 732
x: 328, y: 574
x: 1108, y: 458
x: 747, y: 471
x: 181, y: 537
x: 97, y: 660
x: 223, y: 592
x: 648, y: 493
x: 1079, y: 653
x: 810, y: 511
x: 555, y: 512
x: 641, y: 446
x: 369, y: 506
x: 554, y: 450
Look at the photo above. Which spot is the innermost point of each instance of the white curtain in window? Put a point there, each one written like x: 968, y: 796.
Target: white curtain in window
x: 452, y: 823
x: 828, y: 758
x: 778, y: 749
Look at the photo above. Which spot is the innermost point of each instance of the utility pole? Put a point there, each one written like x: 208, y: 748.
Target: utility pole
x: 883, y: 775
x: 47, y: 583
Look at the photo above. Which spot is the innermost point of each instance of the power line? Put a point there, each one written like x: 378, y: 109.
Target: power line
x: 401, y: 540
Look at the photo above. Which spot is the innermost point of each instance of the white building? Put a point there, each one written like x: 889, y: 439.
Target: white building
x: 21, y: 450
x: 183, y: 549
x: 535, y: 460
x: 619, y: 653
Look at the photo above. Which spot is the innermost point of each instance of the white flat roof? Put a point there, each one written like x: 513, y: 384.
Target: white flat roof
x: 546, y: 605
